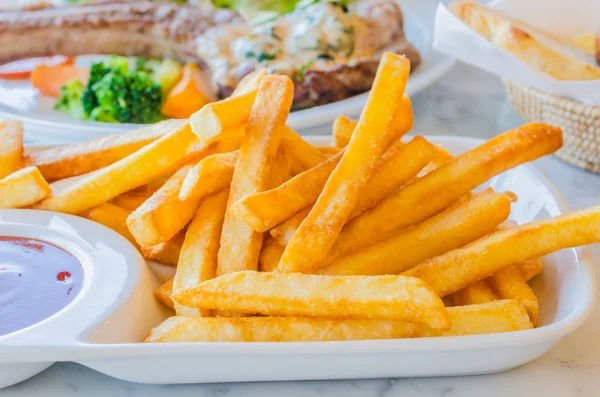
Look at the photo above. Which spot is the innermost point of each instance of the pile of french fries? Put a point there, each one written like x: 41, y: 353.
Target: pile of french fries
x: 274, y: 239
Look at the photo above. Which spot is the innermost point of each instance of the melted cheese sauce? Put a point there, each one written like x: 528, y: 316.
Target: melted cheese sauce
x: 317, y: 36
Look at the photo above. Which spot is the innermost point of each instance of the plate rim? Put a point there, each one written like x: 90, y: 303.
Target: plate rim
x: 551, y: 333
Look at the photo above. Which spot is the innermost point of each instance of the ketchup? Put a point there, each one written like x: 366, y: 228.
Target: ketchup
x: 37, y: 280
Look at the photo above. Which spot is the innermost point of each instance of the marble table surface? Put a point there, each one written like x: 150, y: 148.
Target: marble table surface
x: 465, y: 102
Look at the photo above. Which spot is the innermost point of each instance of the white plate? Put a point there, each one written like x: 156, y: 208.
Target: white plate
x: 111, y: 345
x: 45, y: 125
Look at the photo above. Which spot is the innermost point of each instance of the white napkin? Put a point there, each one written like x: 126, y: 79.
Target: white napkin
x: 566, y: 19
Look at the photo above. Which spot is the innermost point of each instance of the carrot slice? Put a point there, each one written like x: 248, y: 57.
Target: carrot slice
x: 189, y: 94
x: 49, y: 79
x: 20, y: 70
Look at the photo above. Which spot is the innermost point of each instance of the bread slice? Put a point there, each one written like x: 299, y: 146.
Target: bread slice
x: 516, y: 37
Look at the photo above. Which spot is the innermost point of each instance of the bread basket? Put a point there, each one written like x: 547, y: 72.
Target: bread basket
x: 580, y: 122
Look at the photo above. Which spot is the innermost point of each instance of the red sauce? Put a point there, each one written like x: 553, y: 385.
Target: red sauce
x: 37, y: 280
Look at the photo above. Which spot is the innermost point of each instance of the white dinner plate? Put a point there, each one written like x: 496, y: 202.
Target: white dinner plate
x: 111, y: 342
x: 44, y: 125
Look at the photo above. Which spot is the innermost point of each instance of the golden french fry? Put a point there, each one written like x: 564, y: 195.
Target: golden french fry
x: 305, y: 155
x: 474, y: 294
x: 163, y: 293
x: 276, y: 329
x: 465, y: 221
x: 508, y: 283
x: 343, y: 126
x: 263, y: 210
x: 211, y: 174
x: 528, y: 269
x: 132, y: 199
x: 456, y: 269
x: 293, y: 294
x: 486, y: 318
x: 329, y: 150
x: 240, y: 245
x: 437, y: 190
x: 153, y: 161
x: 270, y: 255
x: 442, y: 156
x: 80, y: 158
x: 282, y: 168
x: 216, y: 120
x: 113, y: 217
x: 198, y: 257
x: 23, y: 188
x: 347, y: 182
x: 283, y: 233
x: 161, y: 216
x: 11, y: 147
x: 531, y: 268
x: 399, y: 164
x: 166, y: 253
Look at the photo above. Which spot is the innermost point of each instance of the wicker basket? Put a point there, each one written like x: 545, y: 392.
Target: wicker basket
x: 580, y: 123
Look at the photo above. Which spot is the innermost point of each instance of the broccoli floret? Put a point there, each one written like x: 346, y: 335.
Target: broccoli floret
x: 70, y: 100
x: 128, y: 98
x: 165, y: 73
x: 116, y: 94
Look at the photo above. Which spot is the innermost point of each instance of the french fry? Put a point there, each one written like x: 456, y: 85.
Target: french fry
x: 163, y: 214
x: 329, y: 150
x: 270, y: 255
x: 284, y: 232
x: 494, y: 317
x: 465, y: 221
x: 23, y: 188
x: 437, y: 190
x: 276, y: 329
x: 347, y: 182
x: 343, y: 126
x: 210, y: 175
x: 511, y: 284
x: 132, y: 199
x: 240, y: 245
x: 166, y: 253
x: 153, y: 161
x: 305, y: 155
x: 293, y: 294
x: 163, y: 293
x: 474, y: 294
x: 531, y: 268
x: 198, y: 257
x: 282, y: 169
x: 508, y: 283
x: 486, y: 318
x: 456, y: 269
x: 261, y: 211
x: 398, y: 165
x: 11, y: 146
x: 80, y: 158
x: 113, y: 217
x: 217, y: 119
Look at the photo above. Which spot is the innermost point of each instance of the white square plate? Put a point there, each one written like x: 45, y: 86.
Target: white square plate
x: 565, y: 290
